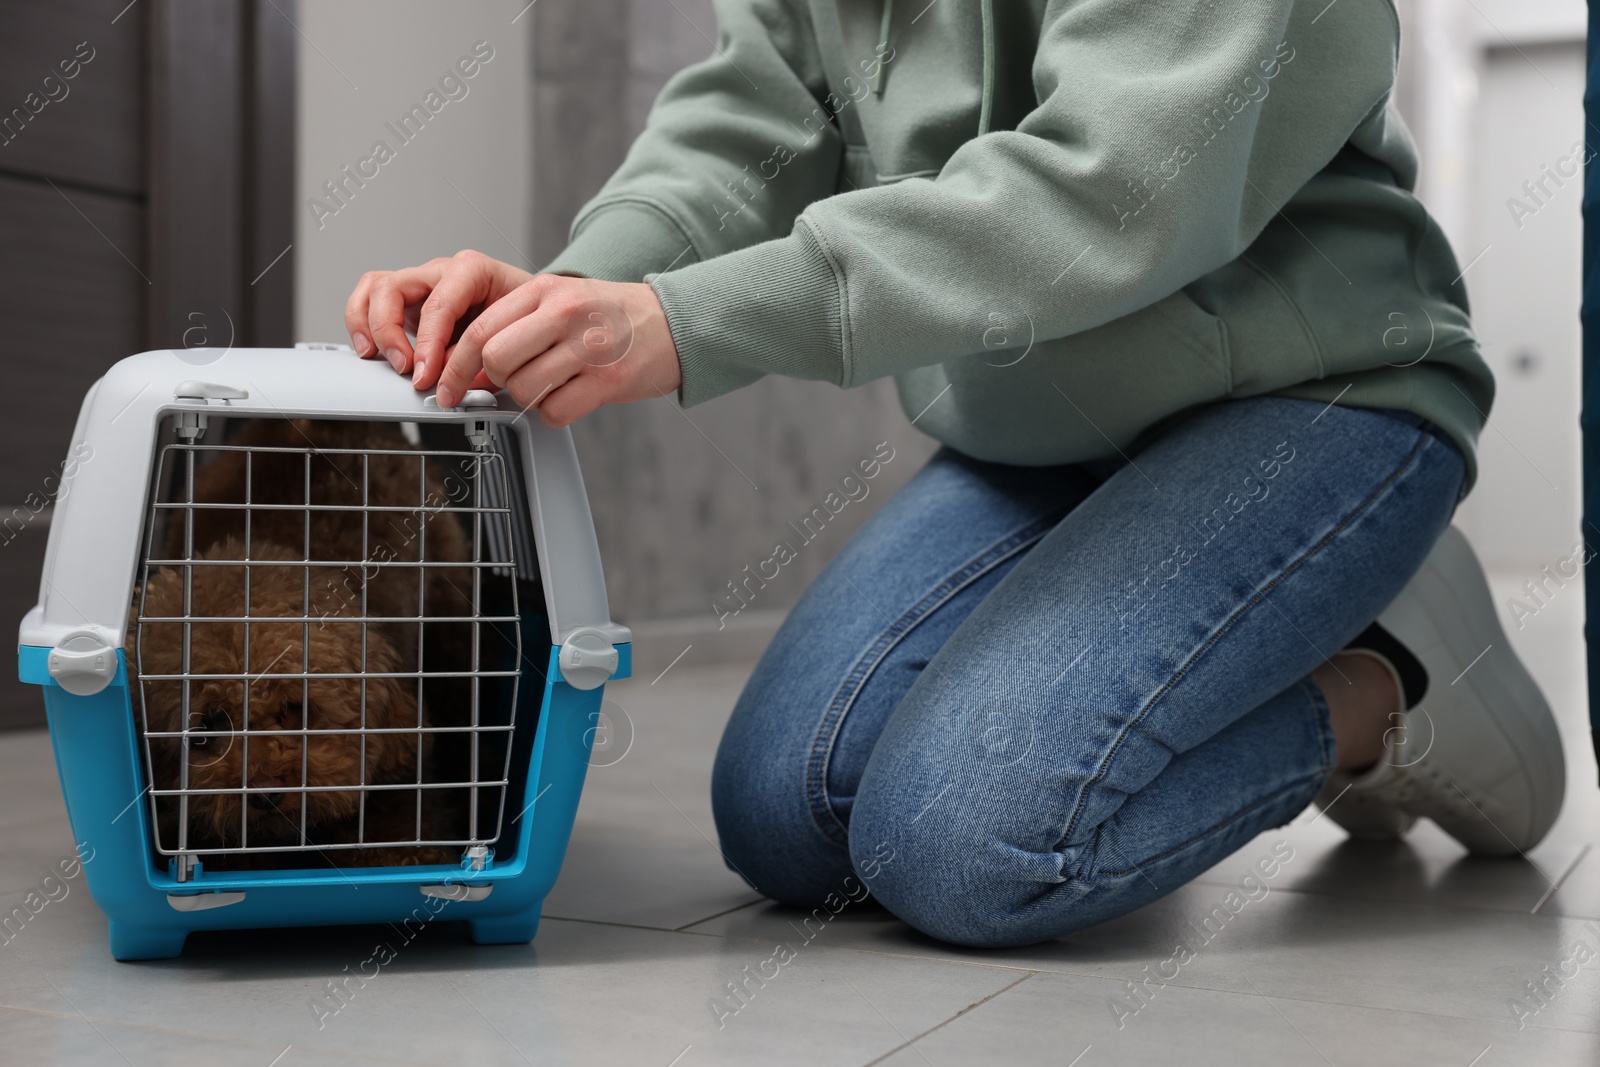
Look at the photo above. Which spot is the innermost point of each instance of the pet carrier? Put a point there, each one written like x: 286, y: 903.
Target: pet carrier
x: 291, y: 636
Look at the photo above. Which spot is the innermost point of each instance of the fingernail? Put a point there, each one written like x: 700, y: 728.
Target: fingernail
x: 396, y: 360
x: 446, y: 398
x: 416, y: 369
x: 361, y: 343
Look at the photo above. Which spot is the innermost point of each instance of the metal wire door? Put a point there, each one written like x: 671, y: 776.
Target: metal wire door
x: 351, y: 692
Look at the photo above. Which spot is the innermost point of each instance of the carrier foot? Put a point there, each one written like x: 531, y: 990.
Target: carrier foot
x: 507, y: 930
x: 146, y: 942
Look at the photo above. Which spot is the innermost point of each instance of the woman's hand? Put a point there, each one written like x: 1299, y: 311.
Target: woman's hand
x: 564, y: 346
x: 385, y: 304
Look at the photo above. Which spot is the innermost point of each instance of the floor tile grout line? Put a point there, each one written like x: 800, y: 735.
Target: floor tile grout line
x: 245, y: 1042
x: 718, y: 915
x: 1371, y: 1007
x: 552, y: 917
x: 1035, y: 968
x: 1029, y: 973
x: 1048, y: 971
x: 821, y: 948
x: 1119, y: 982
x: 1555, y: 886
x: 970, y: 1007
x: 1442, y: 906
x: 1310, y: 1000
x: 876, y: 952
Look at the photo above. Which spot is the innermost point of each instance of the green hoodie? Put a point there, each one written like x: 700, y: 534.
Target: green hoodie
x: 1057, y: 223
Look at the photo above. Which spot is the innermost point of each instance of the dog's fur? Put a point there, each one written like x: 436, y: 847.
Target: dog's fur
x: 323, y: 645
x: 337, y: 479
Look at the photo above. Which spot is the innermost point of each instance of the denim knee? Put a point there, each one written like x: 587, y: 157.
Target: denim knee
x: 946, y: 875
x: 767, y: 832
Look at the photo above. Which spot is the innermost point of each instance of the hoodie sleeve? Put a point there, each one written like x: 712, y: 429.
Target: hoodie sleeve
x: 1166, y: 137
x: 733, y: 149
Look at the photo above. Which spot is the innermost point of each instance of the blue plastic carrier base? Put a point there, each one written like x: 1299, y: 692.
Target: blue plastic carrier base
x: 77, y: 645
x: 151, y: 914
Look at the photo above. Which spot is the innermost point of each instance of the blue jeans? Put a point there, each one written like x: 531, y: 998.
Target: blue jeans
x: 1024, y: 700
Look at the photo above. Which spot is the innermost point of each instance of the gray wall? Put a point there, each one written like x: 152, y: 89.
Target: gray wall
x: 462, y: 182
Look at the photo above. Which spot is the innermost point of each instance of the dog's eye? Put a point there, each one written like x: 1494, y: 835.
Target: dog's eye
x: 213, y: 718
x: 291, y: 709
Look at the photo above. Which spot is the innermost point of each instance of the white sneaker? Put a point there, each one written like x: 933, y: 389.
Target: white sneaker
x: 1480, y: 755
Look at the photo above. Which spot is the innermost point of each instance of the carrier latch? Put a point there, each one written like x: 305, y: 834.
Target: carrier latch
x: 203, y: 901
x: 480, y: 432
x: 83, y: 665
x: 587, y: 659
x: 193, y: 390
x: 467, y: 893
x: 191, y: 424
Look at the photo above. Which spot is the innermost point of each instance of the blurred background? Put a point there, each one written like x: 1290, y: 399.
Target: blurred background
x: 190, y: 185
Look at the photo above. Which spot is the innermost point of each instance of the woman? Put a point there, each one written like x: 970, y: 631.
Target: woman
x: 1209, y: 396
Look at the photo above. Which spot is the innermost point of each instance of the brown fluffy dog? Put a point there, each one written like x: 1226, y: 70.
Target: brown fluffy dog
x: 402, y: 534
x: 270, y: 813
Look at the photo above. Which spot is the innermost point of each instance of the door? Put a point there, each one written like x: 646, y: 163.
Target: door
x: 146, y: 198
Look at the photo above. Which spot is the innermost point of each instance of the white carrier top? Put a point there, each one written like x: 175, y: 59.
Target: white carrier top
x: 92, y: 559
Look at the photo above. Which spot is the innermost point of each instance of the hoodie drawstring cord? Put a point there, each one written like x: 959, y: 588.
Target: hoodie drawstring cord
x: 986, y: 109
x: 883, y: 46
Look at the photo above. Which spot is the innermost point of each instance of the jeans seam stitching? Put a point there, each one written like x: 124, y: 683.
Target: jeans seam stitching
x: 850, y: 689
x: 1322, y: 713
x: 1360, y: 509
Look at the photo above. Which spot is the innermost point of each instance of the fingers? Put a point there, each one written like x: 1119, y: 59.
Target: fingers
x: 387, y: 302
x: 355, y: 314
x: 466, y: 283
x: 357, y: 310
x: 466, y: 362
x: 532, y: 384
x: 534, y: 337
x: 570, y: 402
x: 480, y: 382
x: 384, y: 300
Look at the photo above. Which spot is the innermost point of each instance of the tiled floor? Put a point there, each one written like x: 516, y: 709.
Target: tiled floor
x: 1357, y: 955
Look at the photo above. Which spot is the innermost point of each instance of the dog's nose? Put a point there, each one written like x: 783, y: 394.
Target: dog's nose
x: 265, y: 801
